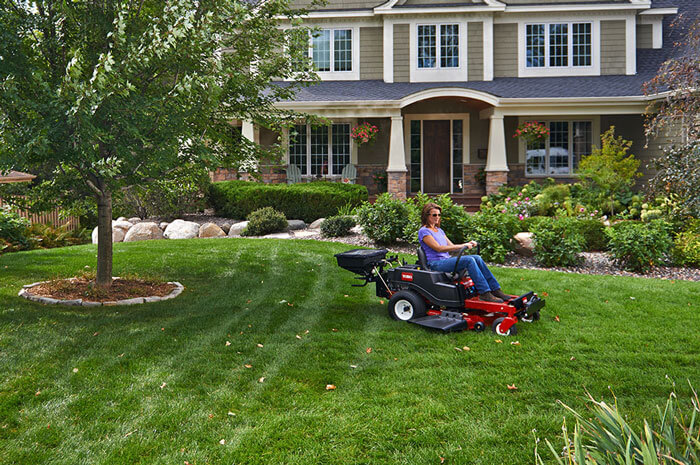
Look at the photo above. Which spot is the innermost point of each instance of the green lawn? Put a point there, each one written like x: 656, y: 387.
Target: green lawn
x: 412, y: 399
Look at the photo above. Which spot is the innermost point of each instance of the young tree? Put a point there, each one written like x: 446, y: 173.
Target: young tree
x: 106, y: 94
x: 611, y: 168
x: 678, y: 112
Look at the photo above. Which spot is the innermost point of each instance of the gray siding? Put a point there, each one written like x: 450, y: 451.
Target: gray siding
x: 376, y: 153
x: 371, y: 53
x: 475, y: 51
x: 401, y: 53
x: 613, y: 59
x: 645, y: 36
x: 505, y: 50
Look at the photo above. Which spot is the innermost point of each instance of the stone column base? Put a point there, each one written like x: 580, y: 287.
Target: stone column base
x: 494, y: 180
x: 397, y: 182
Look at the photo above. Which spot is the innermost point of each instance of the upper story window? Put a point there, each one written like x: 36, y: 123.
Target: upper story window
x: 558, y: 45
x: 430, y: 55
x: 332, y: 50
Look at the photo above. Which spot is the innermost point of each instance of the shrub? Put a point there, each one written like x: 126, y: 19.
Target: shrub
x: 337, y: 226
x: 593, y: 232
x: 639, y: 246
x: 493, y: 232
x: 265, y: 221
x: 304, y: 201
x: 558, y: 242
x: 451, y: 220
x: 180, y: 192
x: 48, y: 236
x: 605, y: 436
x: 385, y: 220
x: 686, y: 246
x: 13, y: 230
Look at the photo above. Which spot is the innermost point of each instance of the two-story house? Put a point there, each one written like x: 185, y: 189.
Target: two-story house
x: 448, y: 81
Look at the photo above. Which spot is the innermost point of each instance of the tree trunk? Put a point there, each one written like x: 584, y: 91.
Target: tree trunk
x: 104, y: 240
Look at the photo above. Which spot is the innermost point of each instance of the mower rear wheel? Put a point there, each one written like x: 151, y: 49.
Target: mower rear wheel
x: 496, y: 328
x: 406, y: 305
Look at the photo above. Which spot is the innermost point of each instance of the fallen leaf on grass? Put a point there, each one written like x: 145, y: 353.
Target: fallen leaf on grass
x: 381, y: 302
x: 306, y: 332
x: 75, y: 370
x: 163, y: 385
x: 247, y: 365
x: 330, y: 387
x: 298, y: 337
x: 346, y: 295
x: 231, y: 414
x: 466, y: 349
x: 120, y: 355
x: 211, y: 415
x: 556, y: 318
x: 458, y: 349
x: 633, y: 298
x: 261, y: 380
x: 498, y: 341
x: 369, y: 350
x: 222, y: 442
x: 248, y: 301
x: 289, y: 304
x: 512, y: 387
x: 442, y: 459
x: 567, y: 290
x: 96, y: 333
x: 228, y: 343
x: 130, y: 433
x: 37, y: 393
x: 283, y: 301
x: 515, y: 343
x: 572, y: 358
x: 353, y: 366
x: 545, y: 294
x: 162, y: 329
x: 260, y: 345
x: 335, y: 330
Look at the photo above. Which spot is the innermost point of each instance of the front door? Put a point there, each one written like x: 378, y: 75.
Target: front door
x: 436, y: 156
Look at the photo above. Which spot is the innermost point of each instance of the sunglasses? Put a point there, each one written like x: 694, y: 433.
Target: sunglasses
x: 435, y: 214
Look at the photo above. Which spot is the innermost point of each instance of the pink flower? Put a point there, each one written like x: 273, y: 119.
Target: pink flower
x: 503, y: 211
x: 583, y: 209
x: 521, y: 217
x: 520, y: 194
x: 507, y: 199
x: 527, y: 199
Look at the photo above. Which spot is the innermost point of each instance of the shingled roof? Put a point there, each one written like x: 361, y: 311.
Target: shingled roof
x: 648, y: 62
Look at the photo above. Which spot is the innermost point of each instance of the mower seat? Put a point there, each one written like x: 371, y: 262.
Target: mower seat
x: 423, y: 263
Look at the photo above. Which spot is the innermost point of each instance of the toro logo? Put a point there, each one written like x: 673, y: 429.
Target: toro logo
x: 406, y: 276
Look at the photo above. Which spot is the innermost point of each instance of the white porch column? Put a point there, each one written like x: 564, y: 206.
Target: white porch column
x: 496, y: 162
x: 397, y: 154
x: 248, y: 131
x: 396, y: 171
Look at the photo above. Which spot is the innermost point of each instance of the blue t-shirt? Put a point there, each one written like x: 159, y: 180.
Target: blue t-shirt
x: 430, y: 253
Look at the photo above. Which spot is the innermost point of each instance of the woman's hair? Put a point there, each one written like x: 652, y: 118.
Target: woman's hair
x: 426, y: 212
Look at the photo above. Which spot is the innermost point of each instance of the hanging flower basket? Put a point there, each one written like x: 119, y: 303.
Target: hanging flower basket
x: 532, y: 131
x: 364, y: 133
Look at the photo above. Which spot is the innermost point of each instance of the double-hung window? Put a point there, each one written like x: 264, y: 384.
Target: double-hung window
x: 438, y: 46
x: 558, y: 45
x: 332, y: 50
x: 320, y: 150
x: 559, y: 154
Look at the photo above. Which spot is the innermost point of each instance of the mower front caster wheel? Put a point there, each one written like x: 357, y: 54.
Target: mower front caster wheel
x: 496, y: 328
x: 406, y: 305
x: 534, y: 317
x: 479, y: 326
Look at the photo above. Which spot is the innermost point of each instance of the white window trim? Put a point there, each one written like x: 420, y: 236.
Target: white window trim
x: 353, y: 149
x: 437, y: 74
x: 352, y: 75
x: 522, y: 145
x: 435, y: 116
x: 570, y: 70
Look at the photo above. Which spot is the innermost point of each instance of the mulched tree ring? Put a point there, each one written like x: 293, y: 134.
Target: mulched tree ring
x: 81, y: 291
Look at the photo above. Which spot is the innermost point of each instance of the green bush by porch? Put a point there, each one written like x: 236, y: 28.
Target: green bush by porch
x: 155, y: 383
x: 304, y: 201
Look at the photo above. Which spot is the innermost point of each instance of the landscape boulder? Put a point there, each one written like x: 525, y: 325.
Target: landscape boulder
x: 237, y: 229
x: 121, y: 224
x: 117, y: 235
x: 293, y: 225
x: 181, y: 229
x: 524, y: 244
x: 316, y: 224
x: 163, y: 225
x: 226, y: 227
x: 143, y: 232
x: 134, y: 220
x: 211, y: 230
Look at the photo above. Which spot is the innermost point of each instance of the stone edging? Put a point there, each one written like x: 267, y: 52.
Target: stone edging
x: 24, y: 292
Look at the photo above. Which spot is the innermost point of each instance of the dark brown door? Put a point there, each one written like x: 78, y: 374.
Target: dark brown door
x: 436, y: 156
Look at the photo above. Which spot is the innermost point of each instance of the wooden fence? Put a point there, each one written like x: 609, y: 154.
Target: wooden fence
x: 50, y: 217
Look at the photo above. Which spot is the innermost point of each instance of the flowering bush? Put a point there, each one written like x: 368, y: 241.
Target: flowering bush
x: 531, y: 131
x: 364, y: 133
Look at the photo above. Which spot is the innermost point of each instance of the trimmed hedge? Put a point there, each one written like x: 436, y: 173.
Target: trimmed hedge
x: 303, y: 201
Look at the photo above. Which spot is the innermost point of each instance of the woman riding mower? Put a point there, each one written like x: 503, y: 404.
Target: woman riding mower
x: 437, y: 246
